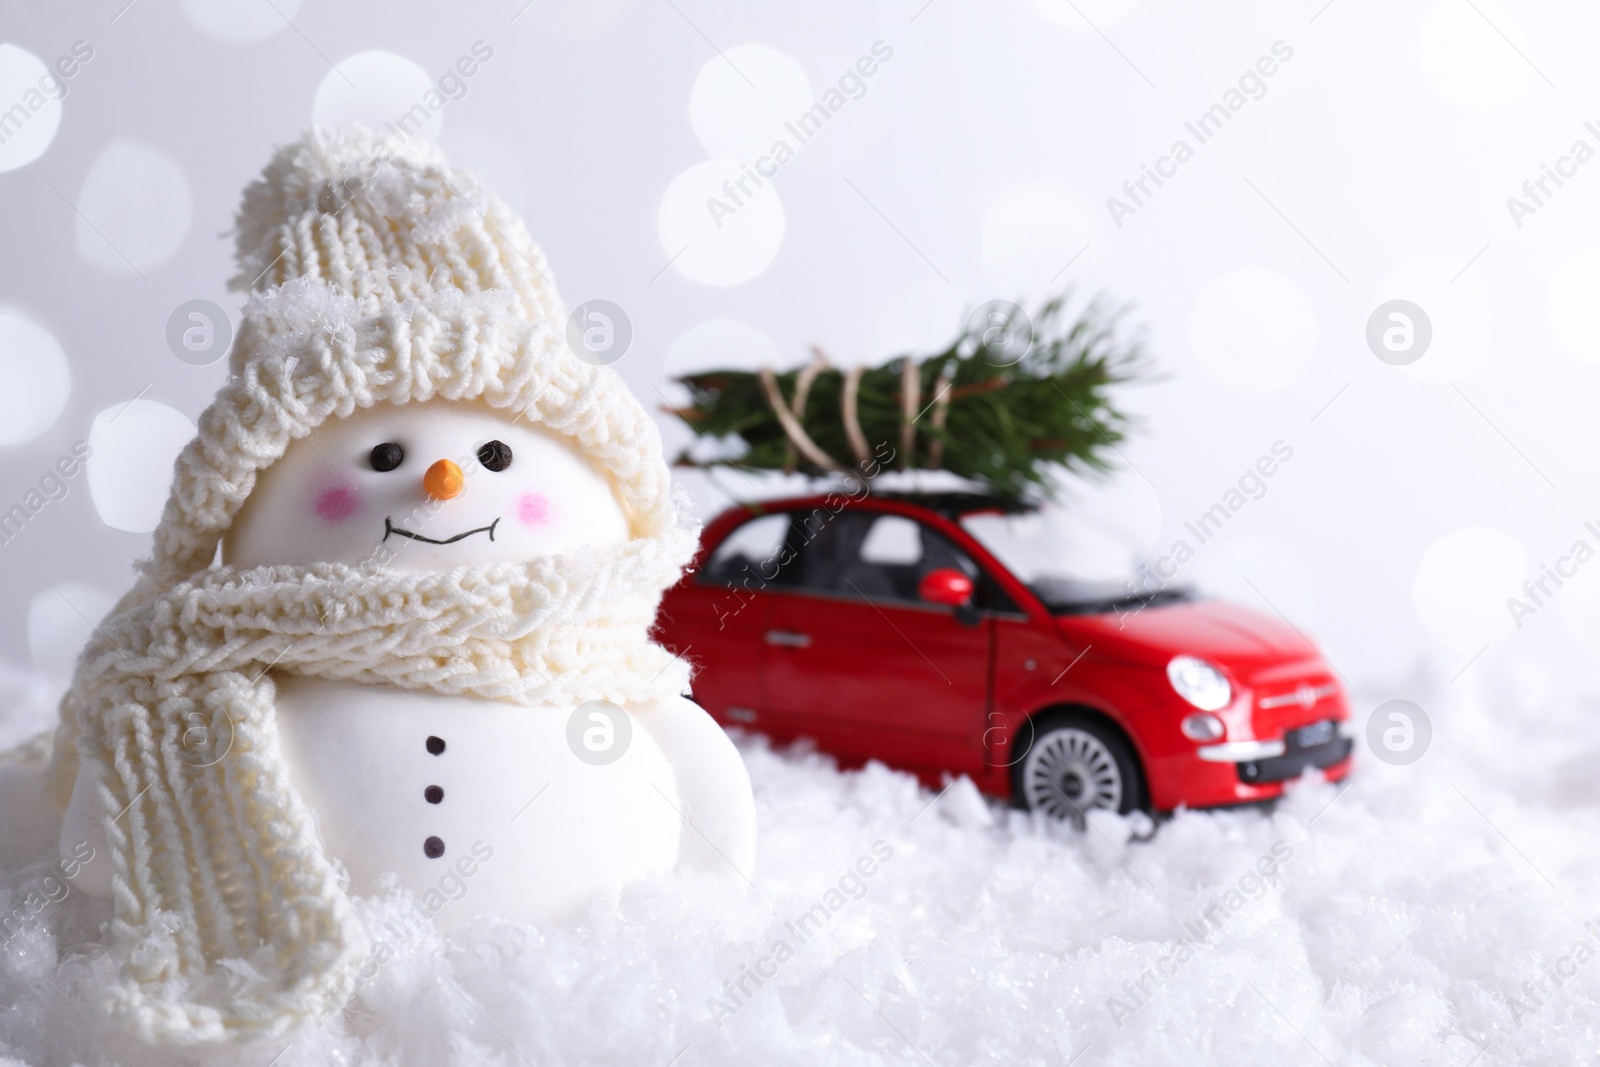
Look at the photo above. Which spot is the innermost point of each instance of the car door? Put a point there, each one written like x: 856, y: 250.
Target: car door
x: 717, y: 618
x: 857, y: 661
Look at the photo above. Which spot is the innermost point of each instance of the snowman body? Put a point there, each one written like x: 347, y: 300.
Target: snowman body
x: 477, y: 805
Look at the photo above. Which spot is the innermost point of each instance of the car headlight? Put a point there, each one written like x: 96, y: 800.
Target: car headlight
x: 1199, y: 683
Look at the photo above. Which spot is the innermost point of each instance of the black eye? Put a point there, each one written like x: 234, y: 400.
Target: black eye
x: 387, y: 456
x: 496, y: 455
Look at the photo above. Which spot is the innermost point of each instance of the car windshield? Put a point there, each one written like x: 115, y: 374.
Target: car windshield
x: 1072, y: 568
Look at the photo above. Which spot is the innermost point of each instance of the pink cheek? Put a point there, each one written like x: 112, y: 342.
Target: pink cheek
x: 533, y: 509
x: 337, y: 504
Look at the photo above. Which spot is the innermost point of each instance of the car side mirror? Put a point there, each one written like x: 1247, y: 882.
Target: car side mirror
x: 948, y: 586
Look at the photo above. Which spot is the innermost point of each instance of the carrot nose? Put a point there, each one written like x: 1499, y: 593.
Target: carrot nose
x: 444, y: 480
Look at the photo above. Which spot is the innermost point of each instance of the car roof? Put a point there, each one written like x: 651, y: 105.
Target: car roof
x: 951, y: 504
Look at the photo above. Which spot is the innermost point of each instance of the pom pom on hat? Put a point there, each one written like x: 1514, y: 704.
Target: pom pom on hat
x: 321, y: 172
x: 381, y: 223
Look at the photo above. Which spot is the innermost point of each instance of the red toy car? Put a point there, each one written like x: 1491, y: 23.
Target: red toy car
x: 917, y: 629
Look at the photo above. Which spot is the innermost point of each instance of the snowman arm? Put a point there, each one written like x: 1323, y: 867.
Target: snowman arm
x: 714, y: 796
x: 84, y: 850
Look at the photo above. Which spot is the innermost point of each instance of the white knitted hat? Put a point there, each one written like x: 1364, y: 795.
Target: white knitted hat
x: 384, y: 276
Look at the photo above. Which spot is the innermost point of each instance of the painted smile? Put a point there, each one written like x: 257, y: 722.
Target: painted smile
x: 390, y: 528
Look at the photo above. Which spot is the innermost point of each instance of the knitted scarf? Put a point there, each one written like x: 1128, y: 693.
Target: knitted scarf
x: 229, y: 919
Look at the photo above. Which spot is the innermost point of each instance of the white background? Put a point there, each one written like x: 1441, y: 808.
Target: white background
x: 976, y: 165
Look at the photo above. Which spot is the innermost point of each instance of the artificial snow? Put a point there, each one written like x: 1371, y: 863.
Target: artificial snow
x: 1426, y: 914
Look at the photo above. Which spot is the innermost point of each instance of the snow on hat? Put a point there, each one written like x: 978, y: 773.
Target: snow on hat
x: 382, y: 275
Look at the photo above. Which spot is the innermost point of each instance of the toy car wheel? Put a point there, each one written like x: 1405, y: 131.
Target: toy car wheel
x: 1075, y: 765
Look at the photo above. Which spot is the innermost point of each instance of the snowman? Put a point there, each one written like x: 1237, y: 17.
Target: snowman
x: 396, y: 623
